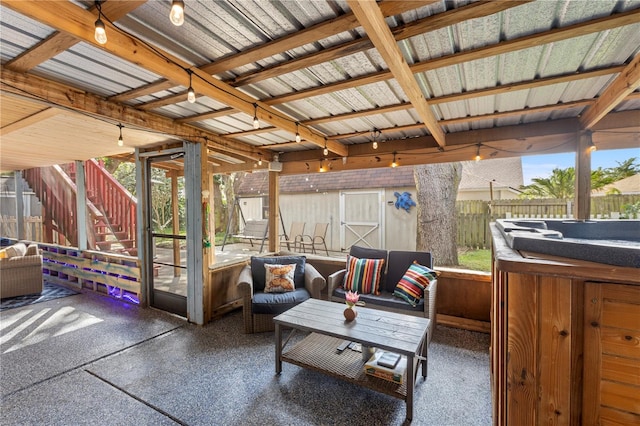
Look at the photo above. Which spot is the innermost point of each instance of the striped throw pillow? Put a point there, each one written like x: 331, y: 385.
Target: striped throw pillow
x: 363, y: 275
x: 412, y: 285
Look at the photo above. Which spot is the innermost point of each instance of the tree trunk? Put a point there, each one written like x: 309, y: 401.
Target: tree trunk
x: 437, y: 188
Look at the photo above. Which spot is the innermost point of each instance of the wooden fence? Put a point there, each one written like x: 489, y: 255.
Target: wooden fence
x: 474, y: 216
x: 32, y: 227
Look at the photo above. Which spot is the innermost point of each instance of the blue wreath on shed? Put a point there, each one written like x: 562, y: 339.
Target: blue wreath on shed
x: 404, y: 201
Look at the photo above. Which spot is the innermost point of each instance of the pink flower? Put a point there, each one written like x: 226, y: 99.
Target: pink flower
x: 352, y: 298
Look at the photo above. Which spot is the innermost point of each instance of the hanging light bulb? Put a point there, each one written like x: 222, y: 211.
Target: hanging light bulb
x: 477, y: 158
x: 325, y: 151
x: 256, y: 122
x: 376, y: 133
x: 322, y: 169
x: 177, y: 13
x: 100, y: 33
x: 592, y: 147
x: 120, y: 140
x: 260, y: 160
x: 393, y: 163
x: 191, y: 94
x: 298, y: 138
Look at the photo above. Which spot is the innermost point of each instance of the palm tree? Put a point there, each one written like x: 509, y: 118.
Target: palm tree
x: 561, y: 184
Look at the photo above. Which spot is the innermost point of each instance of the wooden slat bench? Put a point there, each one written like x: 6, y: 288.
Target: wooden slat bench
x: 254, y: 230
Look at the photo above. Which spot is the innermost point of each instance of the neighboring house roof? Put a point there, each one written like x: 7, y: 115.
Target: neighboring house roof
x: 628, y: 185
x: 506, y: 172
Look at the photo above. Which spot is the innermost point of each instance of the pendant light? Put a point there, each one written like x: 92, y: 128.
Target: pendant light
x: 298, y: 138
x: 100, y: 33
x: 256, y: 122
x: 191, y: 94
x: 120, y: 140
x: 177, y: 12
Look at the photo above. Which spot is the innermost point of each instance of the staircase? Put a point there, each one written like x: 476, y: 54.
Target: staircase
x: 111, y: 209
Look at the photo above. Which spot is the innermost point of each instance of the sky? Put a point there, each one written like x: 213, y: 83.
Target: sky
x: 540, y: 166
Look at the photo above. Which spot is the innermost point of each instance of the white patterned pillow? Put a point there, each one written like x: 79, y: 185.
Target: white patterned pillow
x: 279, y: 278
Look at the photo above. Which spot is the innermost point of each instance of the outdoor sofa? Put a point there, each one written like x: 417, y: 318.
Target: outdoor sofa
x: 394, y: 268
x: 20, y: 270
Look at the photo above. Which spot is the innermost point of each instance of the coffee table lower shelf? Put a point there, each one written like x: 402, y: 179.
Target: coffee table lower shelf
x: 318, y: 352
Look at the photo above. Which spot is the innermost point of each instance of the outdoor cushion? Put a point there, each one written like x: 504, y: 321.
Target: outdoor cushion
x: 16, y: 250
x: 258, y: 272
x: 412, y: 284
x: 279, y: 278
x: 385, y: 300
x: 399, y: 262
x: 363, y: 275
x: 277, y: 303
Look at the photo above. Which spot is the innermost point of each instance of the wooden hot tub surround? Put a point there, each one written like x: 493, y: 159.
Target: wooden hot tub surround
x: 565, y: 344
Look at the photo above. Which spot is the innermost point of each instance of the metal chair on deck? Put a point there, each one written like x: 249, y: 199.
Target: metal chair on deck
x: 294, y: 237
x: 317, y: 240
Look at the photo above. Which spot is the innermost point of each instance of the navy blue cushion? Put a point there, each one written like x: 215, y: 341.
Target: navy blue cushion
x: 259, y: 275
x: 277, y: 303
x: 384, y: 299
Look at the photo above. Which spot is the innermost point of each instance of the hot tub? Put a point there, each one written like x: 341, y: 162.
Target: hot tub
x: 613, y: 242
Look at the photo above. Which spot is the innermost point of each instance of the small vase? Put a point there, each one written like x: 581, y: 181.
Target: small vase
x: 350, y: 314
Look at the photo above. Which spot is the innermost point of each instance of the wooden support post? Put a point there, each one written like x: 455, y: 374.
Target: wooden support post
x: 17, y: 179
x: 274, y: 212
x: 176, y: 224
x: 583, y: 176
x: 81, y: 205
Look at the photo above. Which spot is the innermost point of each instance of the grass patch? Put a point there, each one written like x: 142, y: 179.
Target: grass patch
x: 476, y: 260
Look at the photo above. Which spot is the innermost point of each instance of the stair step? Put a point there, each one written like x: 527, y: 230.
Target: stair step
x: 104, y: 245
x: 127, y: 244
x: 120, y: 235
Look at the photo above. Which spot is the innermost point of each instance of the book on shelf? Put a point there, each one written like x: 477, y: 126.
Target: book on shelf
x: 395, y: 374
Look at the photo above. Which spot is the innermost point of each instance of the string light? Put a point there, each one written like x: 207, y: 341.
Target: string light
x: 298, y: 138
x: 260, y: 160
x: 177, y: 13
x: 325, y: 151
x: 256, y: 122
x: 477, y: 158
x: 120, y: 140
x: 394, y: 163
x: 376, y: 134
x: 191, y: 94
x: 100, y: 33
x: 322, y: 169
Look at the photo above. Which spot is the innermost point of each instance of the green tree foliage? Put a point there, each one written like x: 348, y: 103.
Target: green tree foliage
x: 161, y: 212
x: 561, y: 183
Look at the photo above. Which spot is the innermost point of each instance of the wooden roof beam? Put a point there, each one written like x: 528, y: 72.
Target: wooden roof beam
x: 369, y: 15
x: 80, y: 23
x: 58, y: 94
x: 625, y: 84
x: 59, y: 41
x: 545, y: 37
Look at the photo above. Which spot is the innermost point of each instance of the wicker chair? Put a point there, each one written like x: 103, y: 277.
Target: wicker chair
x: 258, y: 307
x: 21, y: 274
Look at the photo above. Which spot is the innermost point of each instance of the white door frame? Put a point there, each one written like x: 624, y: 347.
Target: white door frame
x: 375, y: 226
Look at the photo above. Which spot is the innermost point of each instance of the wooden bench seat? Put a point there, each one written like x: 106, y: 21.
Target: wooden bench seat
x: 254, y: 230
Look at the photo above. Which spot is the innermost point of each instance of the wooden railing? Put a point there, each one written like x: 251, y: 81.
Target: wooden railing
x: 118, y: 204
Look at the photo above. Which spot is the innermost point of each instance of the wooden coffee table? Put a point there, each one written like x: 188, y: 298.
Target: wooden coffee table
x: 402, y: 334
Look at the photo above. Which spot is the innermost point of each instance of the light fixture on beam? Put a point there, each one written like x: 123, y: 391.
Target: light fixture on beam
x: 394, y: 163
x: 376, y: 134
x: 325, y: 151
x: 256, y: 122
x: 477, y: 157
x: 191, y: 94
x: 322, y: 169
x: 592, y: 147
x: 177, y: 12
x: 100, y: 33
x: 120, y: 140
x: 298, y: 138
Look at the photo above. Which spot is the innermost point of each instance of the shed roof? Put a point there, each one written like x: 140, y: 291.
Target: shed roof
x: 504, y: 173
x: 436, y: 82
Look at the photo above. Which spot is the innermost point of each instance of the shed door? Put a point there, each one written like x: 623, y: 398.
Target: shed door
x: 361, y: 219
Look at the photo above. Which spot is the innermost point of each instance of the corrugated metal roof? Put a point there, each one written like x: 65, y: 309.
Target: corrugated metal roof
x: 213, y: 32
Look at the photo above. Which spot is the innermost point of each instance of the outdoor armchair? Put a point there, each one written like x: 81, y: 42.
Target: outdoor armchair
x: 269, y: 286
